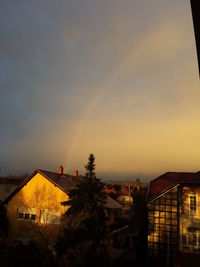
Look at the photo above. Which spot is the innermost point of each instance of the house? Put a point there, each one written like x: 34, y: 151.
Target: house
x: 34, y: 208
x: 8, y: 185
x: 113, y: 210
x: 173, y: 205
x: 122, y: 192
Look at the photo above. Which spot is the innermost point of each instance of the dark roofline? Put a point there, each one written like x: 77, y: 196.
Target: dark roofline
x: 165, y: 191
x: 175, y: 182
x: 192, y: 173
x: 162, y: 193
x: 25, y: 181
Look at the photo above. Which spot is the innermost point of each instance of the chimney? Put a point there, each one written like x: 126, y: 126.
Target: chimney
x: 138, y: 187
x: 76, y: 173
x: 60, y: 170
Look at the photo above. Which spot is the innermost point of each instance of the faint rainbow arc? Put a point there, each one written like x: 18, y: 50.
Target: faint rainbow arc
x: 94, y: 103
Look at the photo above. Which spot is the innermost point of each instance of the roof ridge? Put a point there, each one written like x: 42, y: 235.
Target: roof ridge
x: 167, y: 180
x: 57, y: 173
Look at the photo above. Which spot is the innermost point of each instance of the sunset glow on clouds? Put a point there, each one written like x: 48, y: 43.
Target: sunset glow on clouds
x: 116, y: 78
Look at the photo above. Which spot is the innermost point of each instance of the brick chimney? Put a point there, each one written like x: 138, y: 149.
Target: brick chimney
x: 60, y: 170
x: 138, y: 187
x: 76, y: 173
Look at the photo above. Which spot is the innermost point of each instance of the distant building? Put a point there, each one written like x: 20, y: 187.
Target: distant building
x: 113, y: 210
x: 173, y: 203
x: 8, y: 185
x: 123, y: 192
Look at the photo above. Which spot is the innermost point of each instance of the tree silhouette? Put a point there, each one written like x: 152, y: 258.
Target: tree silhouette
x: 82, y: 237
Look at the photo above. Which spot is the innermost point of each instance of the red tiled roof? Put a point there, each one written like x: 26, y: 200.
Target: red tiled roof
x: 110, y: 192
x: 169, y: 180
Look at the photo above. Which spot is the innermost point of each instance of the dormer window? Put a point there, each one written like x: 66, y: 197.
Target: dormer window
x: 193, y: 203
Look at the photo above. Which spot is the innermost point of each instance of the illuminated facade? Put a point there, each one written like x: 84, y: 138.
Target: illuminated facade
x: 173, y: 216
x: 34, y: 208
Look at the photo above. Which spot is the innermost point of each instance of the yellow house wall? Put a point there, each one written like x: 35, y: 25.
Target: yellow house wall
x: 38, y: 193
x: 188, y: 220
x: 125, y: 199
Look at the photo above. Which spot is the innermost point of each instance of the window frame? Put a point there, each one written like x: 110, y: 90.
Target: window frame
x: 186, y: 237
x: 193, y: 211
x: 26, y: 214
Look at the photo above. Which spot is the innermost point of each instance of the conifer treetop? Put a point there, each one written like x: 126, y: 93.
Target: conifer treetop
x: 90, y: 167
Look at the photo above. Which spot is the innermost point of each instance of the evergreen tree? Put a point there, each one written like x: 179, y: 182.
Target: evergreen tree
x: 82, y: 237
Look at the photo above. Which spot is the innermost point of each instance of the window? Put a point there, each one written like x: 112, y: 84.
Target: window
x: 26, y: 214
x: 48, y: 216
x: 20, y: 215
x: 193, y: 204
x: 191, y: 238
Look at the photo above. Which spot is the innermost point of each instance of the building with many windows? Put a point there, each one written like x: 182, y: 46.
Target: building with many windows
x: 173, y: 216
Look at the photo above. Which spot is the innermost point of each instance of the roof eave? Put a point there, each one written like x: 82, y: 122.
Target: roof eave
x: 163, y: 192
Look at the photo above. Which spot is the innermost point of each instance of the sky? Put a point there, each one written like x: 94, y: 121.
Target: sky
x: 115, y: 78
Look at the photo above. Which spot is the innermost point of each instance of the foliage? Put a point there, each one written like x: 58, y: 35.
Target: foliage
x: 139, y: 222
x: 82, y: 237
x: 16, y: 253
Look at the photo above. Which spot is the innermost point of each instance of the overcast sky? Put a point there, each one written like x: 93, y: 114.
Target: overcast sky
x: 115, y: 78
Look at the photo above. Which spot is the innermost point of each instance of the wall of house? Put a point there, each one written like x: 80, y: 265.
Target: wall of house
x: 189, y: 199
x: 127, y: 200
x: 35, y: 210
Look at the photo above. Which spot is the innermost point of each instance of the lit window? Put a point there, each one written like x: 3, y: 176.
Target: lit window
x: 33, y: 216
x: 27, y: 214
x: 48, y: 216
x: 20, y: 215
x: 193, y: 204
x: 192, y: 238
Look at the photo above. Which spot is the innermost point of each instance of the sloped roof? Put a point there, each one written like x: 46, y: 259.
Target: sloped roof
x: 64, y: 181
x: 168, y: 180
x: 112, y: 204
x: 110, y: 192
